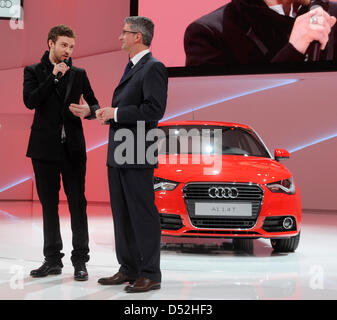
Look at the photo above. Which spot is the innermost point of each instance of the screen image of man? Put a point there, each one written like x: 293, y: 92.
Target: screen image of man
x: 139, y: 98
x: 262, y: 31
x: 53, y: 89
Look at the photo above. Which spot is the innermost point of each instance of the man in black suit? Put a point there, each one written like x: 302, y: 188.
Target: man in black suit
x: 56, y: 146
x: 260, y: 31
x: 138, y: 103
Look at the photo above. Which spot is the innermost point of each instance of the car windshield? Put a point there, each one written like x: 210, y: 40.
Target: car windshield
x: 212, y: 140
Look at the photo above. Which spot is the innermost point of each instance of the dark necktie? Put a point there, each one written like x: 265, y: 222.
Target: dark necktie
x: 127, y: 68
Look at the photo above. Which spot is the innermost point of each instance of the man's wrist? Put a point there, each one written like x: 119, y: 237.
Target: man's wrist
x: 92, y: 112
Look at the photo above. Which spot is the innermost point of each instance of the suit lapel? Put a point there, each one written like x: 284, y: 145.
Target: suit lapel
x: 135, y: 69
x: 70, y: 84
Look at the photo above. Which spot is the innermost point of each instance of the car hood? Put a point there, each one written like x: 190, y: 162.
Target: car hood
x: 227, y: 168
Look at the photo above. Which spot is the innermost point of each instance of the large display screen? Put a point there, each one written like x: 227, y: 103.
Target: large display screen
x: 238, y: 36
x: 11, y: 9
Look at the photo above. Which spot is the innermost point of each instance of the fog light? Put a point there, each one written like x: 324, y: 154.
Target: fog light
x: 288, y: 223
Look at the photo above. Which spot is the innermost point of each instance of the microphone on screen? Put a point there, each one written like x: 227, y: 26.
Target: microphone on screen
x: 314, y: 48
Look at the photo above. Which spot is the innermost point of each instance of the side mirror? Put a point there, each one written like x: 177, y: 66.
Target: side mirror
x: 281, y: 154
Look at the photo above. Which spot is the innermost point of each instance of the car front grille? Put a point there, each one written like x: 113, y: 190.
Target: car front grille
x: 247, y: 193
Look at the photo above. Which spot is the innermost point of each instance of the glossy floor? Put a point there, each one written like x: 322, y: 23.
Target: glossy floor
x: 189, y: 272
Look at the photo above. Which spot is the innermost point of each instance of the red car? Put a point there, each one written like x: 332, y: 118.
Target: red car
x: 218, y: 180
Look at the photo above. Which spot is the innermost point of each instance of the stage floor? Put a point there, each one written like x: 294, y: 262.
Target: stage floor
x: 189, y: 272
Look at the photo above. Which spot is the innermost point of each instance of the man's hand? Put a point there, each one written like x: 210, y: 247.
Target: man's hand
x: 105, y: 114
x: 61, y: 67
x: 80, y: 110
x: 314, y: 25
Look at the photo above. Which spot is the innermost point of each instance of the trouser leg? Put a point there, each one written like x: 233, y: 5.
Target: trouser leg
x: 136, y: 221
x: 73, y: 176
x: 145, y: 220
x: 127, y: 251
x: 47, y: 178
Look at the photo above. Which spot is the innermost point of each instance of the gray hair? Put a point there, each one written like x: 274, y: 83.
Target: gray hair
x: 143, y: 25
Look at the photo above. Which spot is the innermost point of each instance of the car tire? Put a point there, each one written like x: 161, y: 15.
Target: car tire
x: 245, y: 245
x: 286, y: 245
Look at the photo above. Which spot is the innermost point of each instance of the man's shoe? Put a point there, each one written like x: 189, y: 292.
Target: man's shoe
x: 80, y: 273
x: 118, y: 278
x: 143, y: 285
x: 46, y: 269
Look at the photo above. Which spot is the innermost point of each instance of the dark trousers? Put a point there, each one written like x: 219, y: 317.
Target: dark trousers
x: 136, y: 222
x: 47, y: 176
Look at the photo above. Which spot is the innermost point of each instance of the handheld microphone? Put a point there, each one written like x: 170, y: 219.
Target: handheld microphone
x: 314, y: 48
x: 59, y: 74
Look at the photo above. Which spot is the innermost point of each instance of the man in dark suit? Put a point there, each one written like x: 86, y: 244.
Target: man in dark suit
x: 138, y: 103
x: 56, y: 146
x: 260, y: 31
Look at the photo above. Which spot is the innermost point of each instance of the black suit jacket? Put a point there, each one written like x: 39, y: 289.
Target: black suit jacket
x: 141, y: 95
x: 51, y: 103
x: 247, y: 32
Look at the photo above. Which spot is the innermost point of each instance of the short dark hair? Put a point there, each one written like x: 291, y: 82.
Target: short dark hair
x: 143, y: 25
x: 60, y: 30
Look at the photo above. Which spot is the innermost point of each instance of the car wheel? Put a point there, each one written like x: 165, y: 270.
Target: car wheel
x: 285, y: 245
x: 243, y: 245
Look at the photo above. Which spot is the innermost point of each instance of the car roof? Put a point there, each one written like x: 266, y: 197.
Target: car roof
x: 205, y: 123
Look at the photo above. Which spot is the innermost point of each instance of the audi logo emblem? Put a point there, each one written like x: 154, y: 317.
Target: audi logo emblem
x: 6, y: 4
x: 223, y: 192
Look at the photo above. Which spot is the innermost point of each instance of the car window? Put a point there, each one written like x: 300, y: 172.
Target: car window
x: 211, y: 140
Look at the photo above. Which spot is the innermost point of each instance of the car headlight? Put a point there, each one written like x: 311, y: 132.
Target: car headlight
x: 163, y: 184
x: 283, y: 186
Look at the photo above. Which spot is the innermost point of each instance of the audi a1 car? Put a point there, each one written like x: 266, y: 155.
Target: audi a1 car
x: 219, y: 180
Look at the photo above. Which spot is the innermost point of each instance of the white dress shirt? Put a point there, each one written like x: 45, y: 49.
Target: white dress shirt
x: 279, y: 9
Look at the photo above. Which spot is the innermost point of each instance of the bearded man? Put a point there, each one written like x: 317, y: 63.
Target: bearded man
x: 53, y: 88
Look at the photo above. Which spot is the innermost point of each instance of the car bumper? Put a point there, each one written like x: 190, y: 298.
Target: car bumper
x: 275, y: 207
